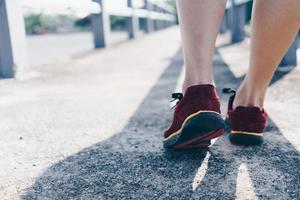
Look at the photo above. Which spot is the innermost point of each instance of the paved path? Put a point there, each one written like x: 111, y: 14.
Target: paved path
x: 91, y: 128
x: 52, y: 48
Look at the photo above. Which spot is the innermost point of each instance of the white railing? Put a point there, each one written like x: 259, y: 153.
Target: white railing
x: 158, y: 15
x: 13, y: 53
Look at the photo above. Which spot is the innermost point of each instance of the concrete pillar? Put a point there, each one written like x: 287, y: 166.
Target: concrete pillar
x: 132, y: 22
x: 13, y: 51
x: 149, y: 21
x: 290, y: 58
x: 101, y: 25
x: 238, y: 22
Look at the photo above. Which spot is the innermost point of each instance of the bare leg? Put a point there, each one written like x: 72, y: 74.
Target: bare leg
x: 199, y: 23
x: 275, y: 25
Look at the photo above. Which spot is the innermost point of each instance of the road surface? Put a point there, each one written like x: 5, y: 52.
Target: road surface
x: 91, y: 128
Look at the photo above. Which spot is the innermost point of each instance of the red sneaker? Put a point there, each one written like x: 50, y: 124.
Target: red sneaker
x: 197, y: 118
x: 247, y: 123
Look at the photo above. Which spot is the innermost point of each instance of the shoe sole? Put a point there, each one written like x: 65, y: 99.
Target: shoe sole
x: 246, y: 138
x: 197, y: 131
x: 194, y: 145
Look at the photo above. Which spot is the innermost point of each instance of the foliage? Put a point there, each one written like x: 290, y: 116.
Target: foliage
x: 40, y: 23
x: 33, y: 22
x: 118, y: 23
x: 172, y: 3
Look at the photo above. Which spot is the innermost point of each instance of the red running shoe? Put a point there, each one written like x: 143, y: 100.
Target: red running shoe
x: 197, y: 118
x: 247, y: 123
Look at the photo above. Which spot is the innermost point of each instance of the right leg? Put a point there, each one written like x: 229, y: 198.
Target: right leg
x: 197, y: 119
x: 200, y: 24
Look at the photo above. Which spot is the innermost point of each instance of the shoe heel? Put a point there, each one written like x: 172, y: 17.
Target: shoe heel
x: 204, y: 126
x: 245, y: 139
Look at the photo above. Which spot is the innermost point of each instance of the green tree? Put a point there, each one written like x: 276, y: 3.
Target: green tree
x: 32, y: 22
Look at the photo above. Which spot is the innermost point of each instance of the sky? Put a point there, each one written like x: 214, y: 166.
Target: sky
x: 77, y: 7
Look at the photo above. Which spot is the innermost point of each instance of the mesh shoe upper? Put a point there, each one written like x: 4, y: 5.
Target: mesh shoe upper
x: 196, y: 98
x: 246, y: 119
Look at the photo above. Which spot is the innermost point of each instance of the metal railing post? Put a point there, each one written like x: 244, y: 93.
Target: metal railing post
x: 164, y: 22
x: 155, y: 21
x: 228, y: 18
x: 132, y: 22
x: 238, y: 21
x: 159, y: 22
x: 155, y: 15
x: 13, y: 51
x: 101, y: 25
x: 149, y: 21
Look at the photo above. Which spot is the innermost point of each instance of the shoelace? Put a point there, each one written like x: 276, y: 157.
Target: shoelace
x: 228, y: 91
x: 176, y: 97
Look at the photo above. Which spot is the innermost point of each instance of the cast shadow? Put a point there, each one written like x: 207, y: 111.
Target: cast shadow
x: 132, y: 164
x: 272, y: 168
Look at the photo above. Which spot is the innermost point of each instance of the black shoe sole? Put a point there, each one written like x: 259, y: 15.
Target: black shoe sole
x: 245, y: 139
x: 200, y: 127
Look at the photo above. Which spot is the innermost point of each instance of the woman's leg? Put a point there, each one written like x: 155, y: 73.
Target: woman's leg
x: 200, y: 106
x: 275, y: 25
x: 199, y: 23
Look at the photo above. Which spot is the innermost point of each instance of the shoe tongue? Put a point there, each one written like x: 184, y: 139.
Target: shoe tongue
x: 201, y: 90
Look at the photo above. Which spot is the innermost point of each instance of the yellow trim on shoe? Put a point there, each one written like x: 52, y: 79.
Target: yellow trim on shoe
x: 247, y: 133
x: 189, y: 117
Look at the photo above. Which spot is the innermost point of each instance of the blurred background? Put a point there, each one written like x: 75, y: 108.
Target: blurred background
x: 66, y: 26
x: 38, y: 32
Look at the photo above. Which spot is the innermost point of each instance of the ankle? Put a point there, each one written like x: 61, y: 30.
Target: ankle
x: 248, y: 97
x: 190, y: 82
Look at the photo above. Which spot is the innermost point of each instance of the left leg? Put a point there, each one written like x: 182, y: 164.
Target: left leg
x: 275, y: 25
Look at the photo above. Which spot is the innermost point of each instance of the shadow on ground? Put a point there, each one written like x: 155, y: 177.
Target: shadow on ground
x: 133, y: 164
